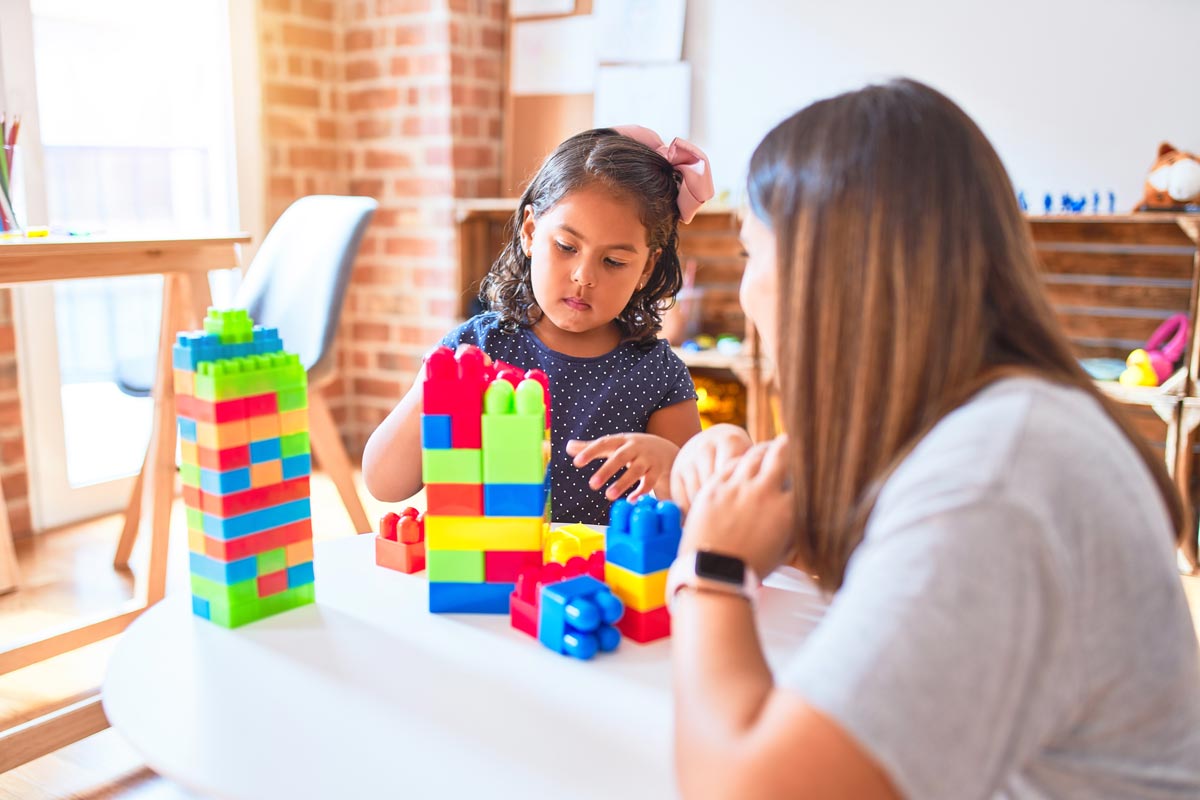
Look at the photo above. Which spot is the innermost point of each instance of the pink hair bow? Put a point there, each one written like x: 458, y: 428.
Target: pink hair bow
x: 687, y: 159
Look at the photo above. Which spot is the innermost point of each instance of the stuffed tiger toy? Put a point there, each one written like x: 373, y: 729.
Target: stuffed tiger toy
x: 1173, y: 183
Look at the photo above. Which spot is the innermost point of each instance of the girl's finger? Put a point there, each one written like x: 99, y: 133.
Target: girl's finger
x: 587, y: 452
x: 750, y: 463
x: 641, y: 490
x: 622, y: 484
x: 623, y: 457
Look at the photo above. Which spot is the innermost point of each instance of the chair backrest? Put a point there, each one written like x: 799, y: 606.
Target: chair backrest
x: 297, y: 281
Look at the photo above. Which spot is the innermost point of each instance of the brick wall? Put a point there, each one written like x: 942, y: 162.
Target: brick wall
x: 399, y: 100
x: 396, y: 99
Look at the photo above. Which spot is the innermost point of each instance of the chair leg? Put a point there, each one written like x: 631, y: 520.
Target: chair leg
x: 133, y: 517
x: 331, y: 454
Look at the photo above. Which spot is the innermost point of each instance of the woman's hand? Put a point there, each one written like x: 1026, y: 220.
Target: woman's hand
x: 646, y: 458
x: 702, y: 457
x: 746, y: 509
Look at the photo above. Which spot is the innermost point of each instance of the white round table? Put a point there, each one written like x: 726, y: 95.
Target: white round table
x: 367, y: 694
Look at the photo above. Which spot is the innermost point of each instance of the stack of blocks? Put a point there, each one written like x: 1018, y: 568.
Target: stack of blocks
x: 641, y: 542
x: 484, y: 457
x: 243, y: 424
x: 524, y: 604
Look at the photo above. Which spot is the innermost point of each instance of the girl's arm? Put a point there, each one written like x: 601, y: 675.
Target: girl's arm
x: 736, y: 734
x: 392, y: 458
x: 647, y: 457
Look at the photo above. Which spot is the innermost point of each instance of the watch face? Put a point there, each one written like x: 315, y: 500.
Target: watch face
x: 719, y: 567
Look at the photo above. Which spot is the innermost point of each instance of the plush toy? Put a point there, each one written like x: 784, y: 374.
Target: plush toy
x: 1173, y: 183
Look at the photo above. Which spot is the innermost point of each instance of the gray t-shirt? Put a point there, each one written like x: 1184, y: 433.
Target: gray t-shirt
x: 1013, y: 624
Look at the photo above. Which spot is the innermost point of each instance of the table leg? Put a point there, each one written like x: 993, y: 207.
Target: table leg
x: 10, y: 574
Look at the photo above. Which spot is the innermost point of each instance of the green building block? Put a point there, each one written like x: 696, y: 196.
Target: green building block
x: 272, y: 561
x: 455, y: 566
x: 514, y: 424
x: 190, y: 474
x: 294, y: 444
x: 233, y: 326
x: 231, y: 378
x: 195, y: 519
x: 452, y: 466
x: 291, y: 399
x: 225, y: 593
x: 231, y: 616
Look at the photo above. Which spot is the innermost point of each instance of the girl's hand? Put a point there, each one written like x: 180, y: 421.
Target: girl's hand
x: 647, y: 460
x: 702, y: 457
x: 746, y: 510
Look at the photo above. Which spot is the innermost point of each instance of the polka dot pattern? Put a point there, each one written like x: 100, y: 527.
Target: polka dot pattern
x: 590, y: 397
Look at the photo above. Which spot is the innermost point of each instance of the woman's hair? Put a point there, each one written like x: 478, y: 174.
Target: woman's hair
x: 628, y: 169
x: 907, y: 282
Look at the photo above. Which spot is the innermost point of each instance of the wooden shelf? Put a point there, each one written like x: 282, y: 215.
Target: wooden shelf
x: 711, y: 359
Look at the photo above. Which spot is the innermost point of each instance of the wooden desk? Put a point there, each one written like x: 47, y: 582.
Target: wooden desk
x: 367, y: 694
x: 184, y: 264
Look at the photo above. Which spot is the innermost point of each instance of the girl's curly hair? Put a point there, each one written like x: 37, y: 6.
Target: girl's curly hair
x: 626, y: 167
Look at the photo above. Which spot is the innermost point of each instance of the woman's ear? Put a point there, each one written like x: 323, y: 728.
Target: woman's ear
x: 527, y: 225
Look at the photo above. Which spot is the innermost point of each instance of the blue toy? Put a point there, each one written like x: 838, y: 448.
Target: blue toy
x: 1048, y: 203
x: 643, y: 538
x: 577, y: 617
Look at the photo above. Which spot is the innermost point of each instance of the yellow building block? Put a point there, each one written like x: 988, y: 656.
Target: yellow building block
x: 300, y: 552
x: 196, y: 541
x: 483, y: 533
x: 639, y: 592
x: 264, y: 427
x: 267, y: 473
x: 185, y: 381
x: 219, y: 436
x: 294, y: 421
x: 564, y: 543
x: 189, y: 452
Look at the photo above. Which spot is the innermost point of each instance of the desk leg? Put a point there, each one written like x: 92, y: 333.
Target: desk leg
x: 10, y: 574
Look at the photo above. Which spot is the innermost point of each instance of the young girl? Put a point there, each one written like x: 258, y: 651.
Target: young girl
x: 577, y: 293
x: 1006, y: 616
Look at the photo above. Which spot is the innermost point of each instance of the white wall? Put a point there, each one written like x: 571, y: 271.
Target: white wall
x: 1075, y: 94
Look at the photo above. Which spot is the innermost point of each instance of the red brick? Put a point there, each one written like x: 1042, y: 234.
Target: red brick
x: 317, y: 9
x: 360, y: 40
x: 307, y: 37
x: 362, y: 68
x: 411, y: 246
x: 285, y: 95
x: 282, y: 6
x: 15, y: 485
x: 382, y: 159
x: 367, y: 99
x: 370, y: 331
x: 284, y: 126
x: 314, y: 157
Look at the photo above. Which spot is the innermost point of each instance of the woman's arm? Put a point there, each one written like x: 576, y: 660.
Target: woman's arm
x: 736, y: 734
x: 392, y: 458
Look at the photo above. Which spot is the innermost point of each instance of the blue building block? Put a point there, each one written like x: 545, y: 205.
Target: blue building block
x: 577, y: 616
x: 300, y: 574
x: 265, y: 450
x: 643, y: 538
x: 469, y: 598
x: 435, y: 431
x: 227, y: 482
x: 224, y: 572
x: 195, y: 348
x: 200, y: 607
x: 263, y: 519
x: 297, y: 466
x: 514, y: 499
x: 187, y: 429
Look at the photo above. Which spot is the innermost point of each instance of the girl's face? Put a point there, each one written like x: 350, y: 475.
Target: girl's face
x: 760, y: 282
x: 589, y: 255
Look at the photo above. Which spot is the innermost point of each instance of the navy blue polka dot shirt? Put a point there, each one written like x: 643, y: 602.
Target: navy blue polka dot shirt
x: 589, y: 398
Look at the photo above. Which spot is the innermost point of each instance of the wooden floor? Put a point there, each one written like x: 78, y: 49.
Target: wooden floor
x: 66, y: 574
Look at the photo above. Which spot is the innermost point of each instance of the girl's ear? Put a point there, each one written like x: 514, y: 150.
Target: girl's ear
x: 527, y: 225
x: 651, y: 262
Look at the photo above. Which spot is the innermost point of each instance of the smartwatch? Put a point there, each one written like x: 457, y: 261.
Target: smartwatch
x: 710, y: 571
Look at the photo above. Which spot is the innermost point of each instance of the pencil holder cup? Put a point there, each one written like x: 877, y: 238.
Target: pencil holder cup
x: 8, y: 219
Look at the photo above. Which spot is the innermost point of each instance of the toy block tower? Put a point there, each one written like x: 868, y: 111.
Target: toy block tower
x: 243, y: 427
x: 483, y: 434
x: 641, y: 542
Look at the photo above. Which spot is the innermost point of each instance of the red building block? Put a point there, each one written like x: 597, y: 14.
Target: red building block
x: 255, y: 543
x: 454, y: 384
x: 400, y: 544
x: 262, y: 404
x: 523, y: 602
x: 272, y: 583
x: 504, y: 566
x: 645, y: 626
x: 209, y: 411
x: 230, y: 505
x: 222, y: 460
x: 454, y: 499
